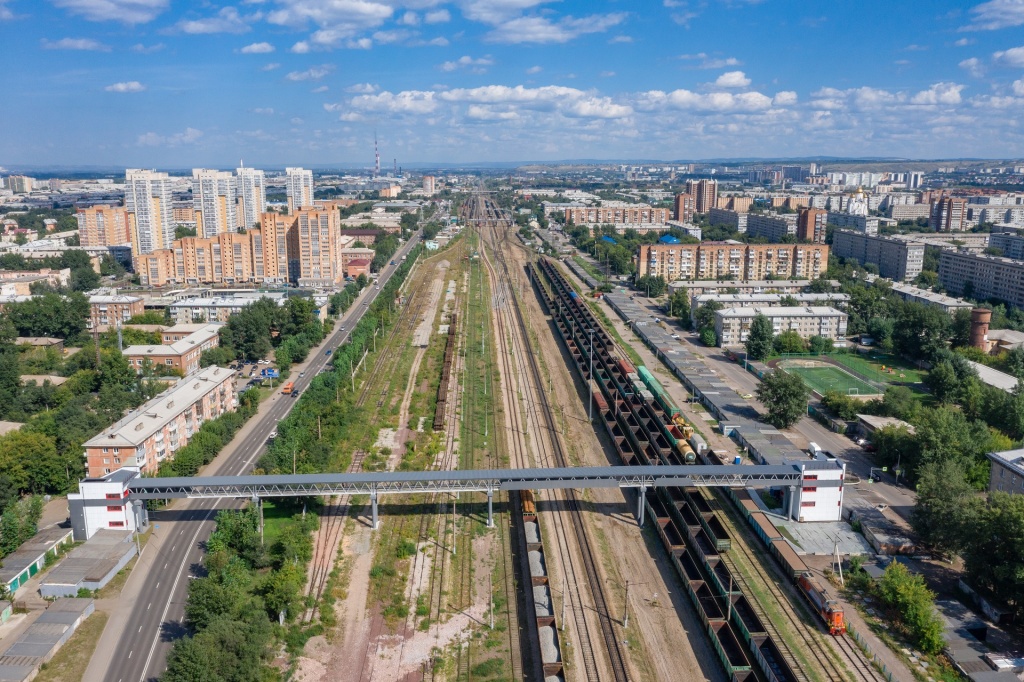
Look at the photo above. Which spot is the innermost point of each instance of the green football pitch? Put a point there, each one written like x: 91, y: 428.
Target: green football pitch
x: 824, y: 378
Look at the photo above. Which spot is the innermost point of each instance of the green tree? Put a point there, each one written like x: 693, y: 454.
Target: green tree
x: 759, y: 338
x: 921, y: 331
x: 708, y: 336
x: 942, y: 382
x: 705, y: 315
x: 789, y: 341
x: 819, y: 345
x: 960, y: 328
x: 914, y: 604
x: 842, y: 405
x: 785, y: 396
x: 679, y: 307
x: 651, y: 286
x: 994, y: 551
x: 947, y: 507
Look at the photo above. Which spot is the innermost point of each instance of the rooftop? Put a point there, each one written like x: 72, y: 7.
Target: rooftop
x: 1011, y: 459
x: 782, y: 311
x: 930, y: 296
x: 142, y: 423
x: 204, y: 333
x: 123, y: 298
x: 876, y: 422
x: 993, y: 377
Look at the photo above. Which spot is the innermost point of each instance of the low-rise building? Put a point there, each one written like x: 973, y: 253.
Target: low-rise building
x: 367, y: 237
x: 103, y: 502
x: 361, y: 266
x: 767, y: 300
x: 216, y: 308
x: 912, y: 294
x: 355, y: 253
x: 689, y: 229
x: 732, y: 325
x: 909, y: 211
x: 180, y: 350
x: 896, y: 259
x: 55, y: 278
x: 152, y: 433
x: 111, y: 310
x: 1007, y: 473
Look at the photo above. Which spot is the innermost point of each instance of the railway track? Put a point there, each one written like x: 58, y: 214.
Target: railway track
x: 518, y: 359
x: 811, y: 641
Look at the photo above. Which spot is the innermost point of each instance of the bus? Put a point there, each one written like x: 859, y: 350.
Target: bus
x: 288, y: 387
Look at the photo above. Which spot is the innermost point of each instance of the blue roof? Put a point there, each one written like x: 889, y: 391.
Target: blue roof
x: 608, y: 239
x: 669, y: 239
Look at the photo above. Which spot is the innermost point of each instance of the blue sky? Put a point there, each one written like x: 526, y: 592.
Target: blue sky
x: 170, y: 83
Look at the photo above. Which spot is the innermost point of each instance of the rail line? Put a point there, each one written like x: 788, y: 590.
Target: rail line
x: 540, y: 415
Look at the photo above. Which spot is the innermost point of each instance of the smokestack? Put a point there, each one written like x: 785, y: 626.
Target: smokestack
x: 980, y: 319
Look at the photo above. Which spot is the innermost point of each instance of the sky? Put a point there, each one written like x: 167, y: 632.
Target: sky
x: 175, y: 83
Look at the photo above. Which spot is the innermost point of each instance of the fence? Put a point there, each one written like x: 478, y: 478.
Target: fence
x: 872, y: 656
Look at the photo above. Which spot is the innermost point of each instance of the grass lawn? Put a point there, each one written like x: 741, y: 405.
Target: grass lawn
x: 275, y: 519
x: 870, y: 365
x: 829, y: 378
x: 68, y: 665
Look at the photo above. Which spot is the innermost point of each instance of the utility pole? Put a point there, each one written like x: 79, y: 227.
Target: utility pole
x: 625, y: 609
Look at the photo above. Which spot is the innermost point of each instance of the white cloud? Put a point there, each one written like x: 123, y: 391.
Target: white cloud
x: 301, y: 47
x: 257, y: 48
x: 621, y: 39
x: 996, y: 14
x: 187, y: 136
x: 322, y: 88
x: 1018, y: 88
x: 535, y: 29
x: 126, y: 86
x: 87, y: 44
x: 227, y: 20
x: 480, y: 113
x: 271, y: 66
x: 267, y: 111
x: 973, y: 66
x: 409, y: 19
x: 732, y: 79
x: 707, y: 62
x: 1013, y: 57
x: 338, y: 21
x: 362, y: 88
x: 147, y: 49
x: 964, y: 42
x: 125, y: 11
x: 606, y: 74
x: 314, y: 73
x: 440, y: 16
x: 478, y: 65
x: 295, y: 120
x: 388, y: 37
x: 722, y: 102
x: 407, y: 102
x: 5, y: 13
x: 786, y: 98
x: 567, y: 101
x: 939, y: 93
x: 534, y: 69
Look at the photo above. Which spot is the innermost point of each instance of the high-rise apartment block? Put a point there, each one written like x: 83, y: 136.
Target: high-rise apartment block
x: 896, y: 259
x: 428, y: 185
x: 948, y: 214
x: 318, y: 251
x: 19, y: 184
x: 773, y: 227
x: 982, y: 276
x: 732, y: 260
x: 685, y: 207
x: 811, y: 224
x: 299, y: 188
x: 104, y: 226
x: 147, y: 196
x: 704, y: 192
x: 213, y: 195
x: 724, y: 216
x: 252, y: 197
x: 1011, y: 244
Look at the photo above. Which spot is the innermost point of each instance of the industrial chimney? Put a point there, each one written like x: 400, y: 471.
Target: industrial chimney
x: 980, y: 319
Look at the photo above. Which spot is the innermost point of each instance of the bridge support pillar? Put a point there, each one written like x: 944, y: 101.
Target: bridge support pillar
x: 640, y: 504
x: 373, y: 504
x: 259, y: 507
x: 792, y: 502
x: 490, y: 507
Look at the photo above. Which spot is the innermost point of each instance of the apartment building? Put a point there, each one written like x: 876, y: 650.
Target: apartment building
x: 429, y: 185
x: 763, y: 300
x: 55, y: 278
x: 113, y: 310
x: 896, y: 259
x: 910, y: 211
x: 252, y: 197
x: 104, y: 226
x: 182, y: 348
x: 147, y: 196
x: 739, y: 204
x: 355, y: 253
x: 319, y: 253
x: 1011, y: 244
x: 861, y: 223
x: 20, y: 184
x: 982, y: 277
x: 159, y: 428
x: 948, y: 214
x: 638, y: 214
x: 912, y: 294
x: 732, y: 218
x: 773, y: 227
x: 214, y: 195
x: 732, y: 260
x: 704, y: 192
x: 732, y: 325
x: 685, y: 207
x: 1007, y: 472
x: 811, y: 225
x: 299, y: 188
x: 215, y: 308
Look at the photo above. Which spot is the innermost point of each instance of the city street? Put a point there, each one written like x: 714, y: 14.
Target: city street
x: 150, y: 612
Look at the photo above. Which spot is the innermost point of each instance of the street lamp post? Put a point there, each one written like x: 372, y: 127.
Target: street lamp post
x: 590, y: 331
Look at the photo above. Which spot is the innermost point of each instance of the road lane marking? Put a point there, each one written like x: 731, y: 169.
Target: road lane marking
x: 130, y: 654
x: 150, y: 606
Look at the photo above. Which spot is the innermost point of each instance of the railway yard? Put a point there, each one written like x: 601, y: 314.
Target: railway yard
x: 492, y: 359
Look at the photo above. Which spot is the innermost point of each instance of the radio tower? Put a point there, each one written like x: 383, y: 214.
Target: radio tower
x: 376, y: 155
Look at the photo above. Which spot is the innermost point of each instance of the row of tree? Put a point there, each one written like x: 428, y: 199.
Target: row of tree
x: 83, y: 276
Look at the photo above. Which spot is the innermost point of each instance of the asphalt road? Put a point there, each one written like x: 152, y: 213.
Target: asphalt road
x: 157, y: 617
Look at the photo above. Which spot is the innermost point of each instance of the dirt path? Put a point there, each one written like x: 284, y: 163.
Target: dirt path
x: 665, y: 638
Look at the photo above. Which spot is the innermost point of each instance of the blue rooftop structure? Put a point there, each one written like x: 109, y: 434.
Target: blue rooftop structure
x: 669, y: 239
x: 608, y: 239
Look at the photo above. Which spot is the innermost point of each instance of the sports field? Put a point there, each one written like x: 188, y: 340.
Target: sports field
x: 822, y: 378
x: 896, y: 371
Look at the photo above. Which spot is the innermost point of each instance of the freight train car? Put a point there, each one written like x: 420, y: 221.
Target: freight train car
x: 827, y: 608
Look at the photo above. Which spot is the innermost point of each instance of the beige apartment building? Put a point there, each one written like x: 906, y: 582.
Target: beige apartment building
x: 617, y: 215
x: 317, y: 234
x: 104, y: 226
x: 152, y: 434
x: 113, y: 310
x: 732, y: 260
x: 738, y: 204
x: 984, y: 276
x: 732, y: 325
x: 704, y: 192
x: 896, y: 259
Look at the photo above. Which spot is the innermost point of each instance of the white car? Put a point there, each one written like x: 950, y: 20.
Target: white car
x: 273, y: 435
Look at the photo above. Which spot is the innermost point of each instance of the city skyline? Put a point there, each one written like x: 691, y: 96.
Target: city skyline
x: 151, y: 83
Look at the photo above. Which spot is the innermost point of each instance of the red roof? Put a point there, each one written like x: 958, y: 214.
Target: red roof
x: 359, y: 263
